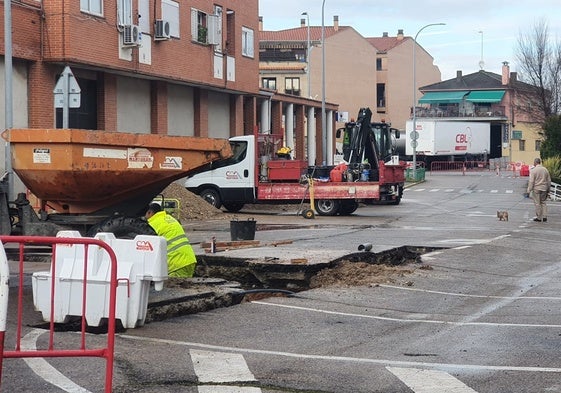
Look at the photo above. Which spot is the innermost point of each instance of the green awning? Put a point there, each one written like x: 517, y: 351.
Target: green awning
x: 485, y: 96
x: 443, y: 97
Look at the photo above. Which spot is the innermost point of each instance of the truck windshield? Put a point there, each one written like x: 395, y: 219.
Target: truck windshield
x: 383, y: 139
x: 239, y: 150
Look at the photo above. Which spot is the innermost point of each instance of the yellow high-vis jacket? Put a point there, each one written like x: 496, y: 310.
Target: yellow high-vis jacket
x: 180, y: 252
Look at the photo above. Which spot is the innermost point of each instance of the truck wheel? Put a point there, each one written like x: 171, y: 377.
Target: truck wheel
x: 348, y: 207
x: 122, y: 227
x: 327, y: 207
x: 395, y: 201
x: 211, y: 196
x: 233, y: 207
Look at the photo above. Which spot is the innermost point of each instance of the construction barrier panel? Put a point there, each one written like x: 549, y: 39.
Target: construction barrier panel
x: 106, y: 352
x: 140, y: 261
x: 89, y: 267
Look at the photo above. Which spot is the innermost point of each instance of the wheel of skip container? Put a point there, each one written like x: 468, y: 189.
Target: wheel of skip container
x: 122, y: 227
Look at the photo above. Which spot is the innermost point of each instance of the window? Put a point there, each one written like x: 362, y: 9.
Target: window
x: 378, y: 64
x: 269, y: 83
x: 124, y: 8
x: 538, y: 145
x: 247, y: 42
x: 292, y: 86
x: 199, y: 26
x: 521, y: 145
x: 92, y: 6
x: 381, y: 95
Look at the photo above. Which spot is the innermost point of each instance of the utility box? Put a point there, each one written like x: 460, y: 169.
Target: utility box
x: 139, y: 261
x: 286, y: 169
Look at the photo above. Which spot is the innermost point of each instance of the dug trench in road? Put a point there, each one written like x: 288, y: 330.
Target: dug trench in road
x: 264, y: 278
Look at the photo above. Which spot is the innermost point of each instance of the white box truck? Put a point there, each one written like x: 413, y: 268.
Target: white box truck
x: 448, y: 138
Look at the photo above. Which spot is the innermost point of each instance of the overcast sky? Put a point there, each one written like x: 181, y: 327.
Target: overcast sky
x: 472, y: 27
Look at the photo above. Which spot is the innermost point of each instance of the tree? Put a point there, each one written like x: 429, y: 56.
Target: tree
x: 539, y: 60
x: 551, y: 145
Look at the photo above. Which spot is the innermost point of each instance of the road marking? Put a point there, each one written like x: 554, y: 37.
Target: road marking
x: 556, y: 298
x: 220, y: 367
x: 429, y: 381
x: 43, y: 369
x: 408, y: 320
x: 494, y: 191
x: 384, y: 362
x: 228, y: 389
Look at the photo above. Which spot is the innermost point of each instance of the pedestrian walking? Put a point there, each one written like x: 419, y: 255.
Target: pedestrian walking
x: 538, y: 185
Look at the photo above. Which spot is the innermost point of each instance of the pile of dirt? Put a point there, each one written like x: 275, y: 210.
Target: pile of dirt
x: 191, y: 206
x: 348, y: 274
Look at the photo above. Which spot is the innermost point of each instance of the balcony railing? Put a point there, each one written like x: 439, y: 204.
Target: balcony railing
x: 477, y: 111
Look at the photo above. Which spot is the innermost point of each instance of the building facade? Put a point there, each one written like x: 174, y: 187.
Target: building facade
x: 375, y: 72
x: 287, y: 66
x: 142, y: 66
x: 394, y: 76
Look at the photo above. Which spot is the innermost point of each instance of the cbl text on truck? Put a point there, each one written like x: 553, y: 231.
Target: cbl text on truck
x: 260, y: 171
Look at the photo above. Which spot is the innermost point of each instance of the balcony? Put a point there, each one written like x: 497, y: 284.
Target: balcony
x: 454, y: 111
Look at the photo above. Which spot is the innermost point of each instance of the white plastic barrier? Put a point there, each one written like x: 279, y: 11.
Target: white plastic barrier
x: 139, y: 261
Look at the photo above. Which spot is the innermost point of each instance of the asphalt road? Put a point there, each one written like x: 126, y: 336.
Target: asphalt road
x: 484, y: 318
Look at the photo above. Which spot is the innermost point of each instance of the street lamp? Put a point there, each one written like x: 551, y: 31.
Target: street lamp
x: 323, y: 119
x: 308, y: 71
x: 413, y: 139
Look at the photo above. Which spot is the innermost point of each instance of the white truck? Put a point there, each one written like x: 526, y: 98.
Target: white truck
x: 257, y: 174
x: 448, y: 138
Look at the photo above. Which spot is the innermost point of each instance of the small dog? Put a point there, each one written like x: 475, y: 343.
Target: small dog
x: 502, y: 215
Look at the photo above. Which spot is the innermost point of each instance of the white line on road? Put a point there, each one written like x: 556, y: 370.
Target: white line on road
x: 407, y: 320
x: 220, y: 367
x: 44, y: 369
x: 227, y: 389
x: 384, y: 362
x: 556, y: 298
x: 429, y: 381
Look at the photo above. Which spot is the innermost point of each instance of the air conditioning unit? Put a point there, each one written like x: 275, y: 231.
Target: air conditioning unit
x: 131, y: 35
x: 161, y: 30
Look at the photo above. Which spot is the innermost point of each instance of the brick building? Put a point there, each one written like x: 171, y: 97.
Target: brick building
x: 143, y: 66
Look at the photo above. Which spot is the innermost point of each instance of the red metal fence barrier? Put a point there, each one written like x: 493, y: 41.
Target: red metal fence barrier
x: 458, y: 166
x: 106, y: 352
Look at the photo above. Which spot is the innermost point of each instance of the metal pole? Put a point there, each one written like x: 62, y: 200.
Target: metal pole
x: 308, y: 69
x: 481, y: 62
x: 8, y: 100
x: 415, y: 96
x: 323, y: 119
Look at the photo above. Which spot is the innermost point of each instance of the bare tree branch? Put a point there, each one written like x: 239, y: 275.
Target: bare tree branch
x: 539, y: 60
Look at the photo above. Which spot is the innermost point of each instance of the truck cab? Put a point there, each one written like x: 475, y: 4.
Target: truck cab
x: 230, y: 182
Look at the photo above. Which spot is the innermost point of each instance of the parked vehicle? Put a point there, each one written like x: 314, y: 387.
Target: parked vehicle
x: 448, y: 139
x: 261, y: 171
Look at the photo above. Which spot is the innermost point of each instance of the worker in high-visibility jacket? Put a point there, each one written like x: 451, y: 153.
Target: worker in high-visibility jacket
x: 181, y: 257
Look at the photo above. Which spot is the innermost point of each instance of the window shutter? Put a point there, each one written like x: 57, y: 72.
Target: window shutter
x: 194, y: 25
